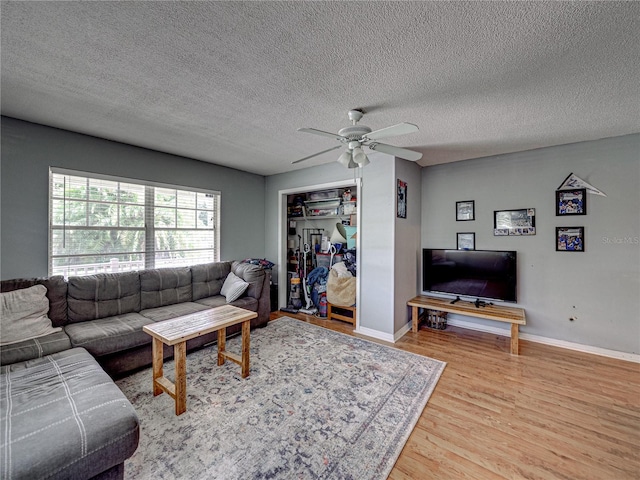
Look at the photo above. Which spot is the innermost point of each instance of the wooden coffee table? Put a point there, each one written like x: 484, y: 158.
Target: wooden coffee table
x: 178, y: 330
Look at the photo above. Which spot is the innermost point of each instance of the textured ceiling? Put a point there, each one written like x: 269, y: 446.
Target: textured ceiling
x: 230, y: 82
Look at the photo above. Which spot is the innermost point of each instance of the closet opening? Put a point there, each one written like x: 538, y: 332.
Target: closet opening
x: 318, y: 232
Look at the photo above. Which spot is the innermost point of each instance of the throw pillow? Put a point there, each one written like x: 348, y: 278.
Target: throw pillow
x: 233, y: 287
x: 23, y: 315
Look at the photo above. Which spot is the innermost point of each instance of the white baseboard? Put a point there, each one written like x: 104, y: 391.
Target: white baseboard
x: 579, y: 347
x: 387, y: 337
x: 369, y: 332
x: 399, y: 334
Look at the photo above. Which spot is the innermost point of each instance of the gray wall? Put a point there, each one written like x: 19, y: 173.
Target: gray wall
x: 28, y: 150
x: 407, y: 249
x: 376, y: 258
x: 601, y: 286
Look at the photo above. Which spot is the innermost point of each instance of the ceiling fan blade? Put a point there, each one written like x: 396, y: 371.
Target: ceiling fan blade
x: 316, y: 154
x: 396, y: 151
x: 315, y: 131
x: 392, y: 131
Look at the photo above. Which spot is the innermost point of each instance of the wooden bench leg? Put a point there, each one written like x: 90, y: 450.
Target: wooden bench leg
x: 514, y: 339
x: 180, y: 358
x: 415, y: 318
x: 156, y: 352
x: 245, y: 348
x: 222, y: 345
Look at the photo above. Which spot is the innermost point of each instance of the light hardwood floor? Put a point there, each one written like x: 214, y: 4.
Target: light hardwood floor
x: 549, y: 413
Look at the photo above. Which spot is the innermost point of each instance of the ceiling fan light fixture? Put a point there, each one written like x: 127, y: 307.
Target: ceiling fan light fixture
x: 346, y: 158
x: 359, y: 157
x: 352, y: 164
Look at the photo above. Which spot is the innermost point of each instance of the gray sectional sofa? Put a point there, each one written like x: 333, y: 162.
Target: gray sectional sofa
x: 62, y: 414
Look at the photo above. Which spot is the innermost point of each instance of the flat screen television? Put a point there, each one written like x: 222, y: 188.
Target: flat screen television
x: 483, y: 274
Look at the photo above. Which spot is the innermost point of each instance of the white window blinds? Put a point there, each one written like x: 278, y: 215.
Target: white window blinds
x: 102, y: 224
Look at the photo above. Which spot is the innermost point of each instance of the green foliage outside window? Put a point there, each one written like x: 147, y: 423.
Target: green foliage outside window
x: 94, y: 221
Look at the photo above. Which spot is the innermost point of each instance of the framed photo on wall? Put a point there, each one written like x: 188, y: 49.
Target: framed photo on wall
x: 465, y: 210
x: 514, y: 222
x: 570, y: 239
x: 571, y: 202
x: 466, y: 240
x: 402, y: 199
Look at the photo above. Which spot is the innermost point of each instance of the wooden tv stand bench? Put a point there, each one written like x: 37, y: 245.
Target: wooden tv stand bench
x: 513, y: 315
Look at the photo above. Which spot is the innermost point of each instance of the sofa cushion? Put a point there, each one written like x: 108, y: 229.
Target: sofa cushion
x: 23, y: 315
x: 245, y: 302
x: 56, y: 293
x: 252, y: 274
x: 212, y: 302
x: 34, y: 348
x: 111, y: 334
x: 233, y: 287
x: 165, y: 286
x: 171, y: 311
x: 103, y: 295
x: 63, y: 417
x: 207, y: 278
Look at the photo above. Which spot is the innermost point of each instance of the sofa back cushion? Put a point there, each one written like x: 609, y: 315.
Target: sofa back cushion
x: 56, y: 293
x: 165, y: 286
x: 103, y: 295
x: 23, y: 315
x: 208, y: 278
x: 253, y: 275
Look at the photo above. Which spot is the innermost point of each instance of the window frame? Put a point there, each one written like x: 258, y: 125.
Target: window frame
x: 149, y: 229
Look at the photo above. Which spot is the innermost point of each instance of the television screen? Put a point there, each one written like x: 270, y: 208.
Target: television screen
x: 486, y: 274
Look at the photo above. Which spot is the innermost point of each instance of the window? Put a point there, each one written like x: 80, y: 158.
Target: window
x: 102, y: 224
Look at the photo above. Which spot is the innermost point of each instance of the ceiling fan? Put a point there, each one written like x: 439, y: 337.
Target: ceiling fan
x: 357, y: 136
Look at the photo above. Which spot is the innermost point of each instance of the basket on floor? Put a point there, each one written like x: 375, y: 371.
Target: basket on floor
x: 435, y: 319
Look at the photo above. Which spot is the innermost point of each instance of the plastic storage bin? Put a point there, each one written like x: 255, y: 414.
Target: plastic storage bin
x: 322, y: 208
x: 324, y: 195
x: 324, y: 259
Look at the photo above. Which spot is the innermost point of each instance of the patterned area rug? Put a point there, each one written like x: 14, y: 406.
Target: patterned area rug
x: 317, y: 404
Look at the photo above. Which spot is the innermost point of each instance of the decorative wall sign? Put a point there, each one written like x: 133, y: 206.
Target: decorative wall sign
x: 571, y: 202
x: 570, y: 239
x: 402, y: 199
x: 514, y: 222
x: 466, y: 240
x: 465, y: 210
x: 574, y: 182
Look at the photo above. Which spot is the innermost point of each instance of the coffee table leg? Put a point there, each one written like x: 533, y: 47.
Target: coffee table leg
x: 245, y: 348
x: 156, y: 349
x: 180, y: 357
x: 222, y: 345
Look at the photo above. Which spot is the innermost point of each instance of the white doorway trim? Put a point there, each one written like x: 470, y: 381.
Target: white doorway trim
x: 282, y: 234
